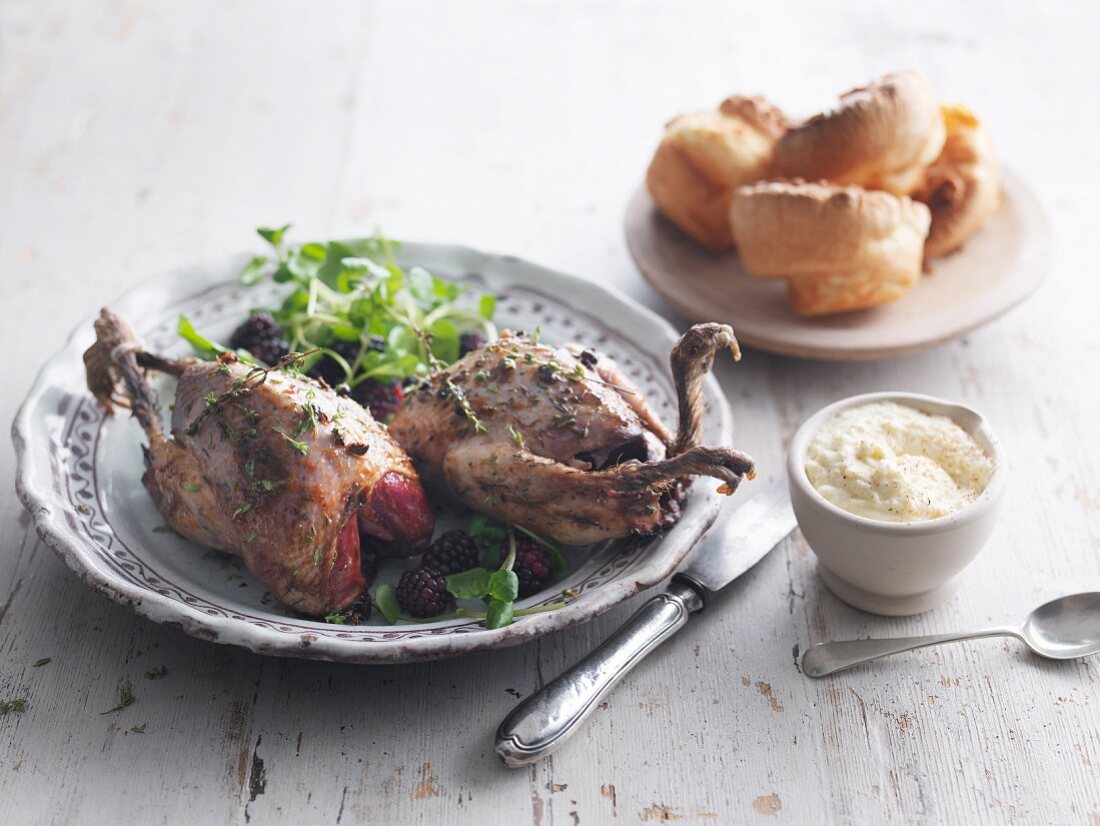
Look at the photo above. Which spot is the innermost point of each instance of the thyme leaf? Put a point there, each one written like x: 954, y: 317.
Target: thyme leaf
x: 18, y: 705
x: 125, y: 697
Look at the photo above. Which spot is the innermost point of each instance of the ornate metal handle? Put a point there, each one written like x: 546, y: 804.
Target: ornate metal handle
x: 830, y: 657
x: 545, y: 720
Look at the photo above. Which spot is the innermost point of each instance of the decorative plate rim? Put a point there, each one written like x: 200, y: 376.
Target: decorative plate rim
x: 53, y: 523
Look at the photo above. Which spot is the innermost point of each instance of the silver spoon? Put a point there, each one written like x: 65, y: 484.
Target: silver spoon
x: 1062, y: 629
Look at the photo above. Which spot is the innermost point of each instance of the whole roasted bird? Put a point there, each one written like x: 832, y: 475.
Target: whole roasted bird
x: 560, y: 441
x: 269, y: 465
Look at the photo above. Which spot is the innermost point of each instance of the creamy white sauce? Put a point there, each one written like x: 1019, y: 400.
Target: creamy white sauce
x: 893, y: 463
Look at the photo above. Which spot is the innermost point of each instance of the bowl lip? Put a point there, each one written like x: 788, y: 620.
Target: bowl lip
x: 978, y: 428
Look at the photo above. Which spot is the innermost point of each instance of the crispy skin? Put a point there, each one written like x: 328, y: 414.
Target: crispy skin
x: 287, y: 464
x: 577, y: 423
x: 564, y: 448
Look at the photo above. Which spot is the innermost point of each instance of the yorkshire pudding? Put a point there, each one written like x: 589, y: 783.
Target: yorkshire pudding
x: 703, y: 156
x: 840, y: 247
x: 881, y: 136
x: 963, y: 186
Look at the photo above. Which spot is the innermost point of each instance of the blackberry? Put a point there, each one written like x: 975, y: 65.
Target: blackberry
x: 381, y: 399
x: 260, y: 335
x: 468, y: 342
x: 423, y: 593
x: 329, y: 369
x: 453, y: 553
x: 532, y: 565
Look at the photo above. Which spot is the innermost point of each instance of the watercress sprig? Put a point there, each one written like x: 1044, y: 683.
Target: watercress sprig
x: 354, y: 291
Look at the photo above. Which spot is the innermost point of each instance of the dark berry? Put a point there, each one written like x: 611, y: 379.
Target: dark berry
x: 453, y: 553
x: 381, y: 399
x: 376, y: 344
x: 329, y: 369
x: 468, y: 342
x: 260, y: 335
x: 423, y: 593
x: 532, y: 565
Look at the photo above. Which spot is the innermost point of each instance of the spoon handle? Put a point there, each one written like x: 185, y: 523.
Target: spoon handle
x: 830, y: 657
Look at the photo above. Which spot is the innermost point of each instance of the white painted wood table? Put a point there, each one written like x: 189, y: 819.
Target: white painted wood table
x: 136, y: 137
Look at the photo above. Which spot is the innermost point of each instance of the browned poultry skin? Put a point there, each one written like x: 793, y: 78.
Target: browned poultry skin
x: 557, y: 440
x: 269, y: 465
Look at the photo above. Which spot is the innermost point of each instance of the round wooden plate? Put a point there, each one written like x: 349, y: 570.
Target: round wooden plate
x: 995, y: 270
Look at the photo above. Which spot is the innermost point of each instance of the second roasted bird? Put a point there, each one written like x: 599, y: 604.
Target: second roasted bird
x: 271, y: 466
x: 558, y: 440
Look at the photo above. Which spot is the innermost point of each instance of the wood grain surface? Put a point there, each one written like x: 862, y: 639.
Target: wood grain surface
x: 137, y: 137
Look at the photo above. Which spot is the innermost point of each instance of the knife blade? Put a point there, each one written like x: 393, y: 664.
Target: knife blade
x: 745, y: 535
x: 543, y: 722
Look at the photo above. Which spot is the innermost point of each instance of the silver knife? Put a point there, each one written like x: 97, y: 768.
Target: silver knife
x: 544, y: 721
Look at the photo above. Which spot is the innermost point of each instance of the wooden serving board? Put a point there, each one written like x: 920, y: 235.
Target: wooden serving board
x: 996, y: 269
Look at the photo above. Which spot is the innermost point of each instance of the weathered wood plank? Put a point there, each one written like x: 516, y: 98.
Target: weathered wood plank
x: 135, y: 137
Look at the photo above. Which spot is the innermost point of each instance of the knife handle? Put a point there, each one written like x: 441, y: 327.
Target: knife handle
x: 544, y: 721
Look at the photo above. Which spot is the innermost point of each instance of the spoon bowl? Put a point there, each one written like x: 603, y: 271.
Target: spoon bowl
x: 1065, y: 628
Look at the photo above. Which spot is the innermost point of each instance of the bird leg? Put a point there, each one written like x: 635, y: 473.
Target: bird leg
x: 691, y: 359
x: 113, y: 361
x: 580, y: 506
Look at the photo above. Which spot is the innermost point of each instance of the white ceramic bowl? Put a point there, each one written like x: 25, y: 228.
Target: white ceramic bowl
x: 895, y: 568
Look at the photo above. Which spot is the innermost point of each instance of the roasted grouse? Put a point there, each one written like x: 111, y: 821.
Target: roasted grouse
x: 560, y: 441
x: 267, y: 464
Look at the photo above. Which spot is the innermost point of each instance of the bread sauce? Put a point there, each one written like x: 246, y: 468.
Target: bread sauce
x: 893, y: 463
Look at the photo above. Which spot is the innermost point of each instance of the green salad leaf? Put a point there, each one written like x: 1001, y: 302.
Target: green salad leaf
x: 385, y: 597
x: 504, y: 586
x: 273, y: 235
x: 500, y: 614
x: 472, y: 584
x: 203, y: 346
x: 254, y: 270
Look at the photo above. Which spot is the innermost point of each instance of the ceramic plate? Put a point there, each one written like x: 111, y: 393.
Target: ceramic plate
x: 79, y: 472
x: 997, y: 268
